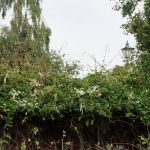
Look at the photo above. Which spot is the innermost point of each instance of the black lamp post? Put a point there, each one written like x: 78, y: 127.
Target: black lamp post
x: 127, y: 52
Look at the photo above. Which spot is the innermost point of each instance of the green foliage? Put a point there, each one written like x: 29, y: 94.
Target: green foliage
x: 139, y: 25
x: 31, y: 7
x: 38, y: 82
x: 127, y: 7
x: 27, y: 39
x: 53, y: 96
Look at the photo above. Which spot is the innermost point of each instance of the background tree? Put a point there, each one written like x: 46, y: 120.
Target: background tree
x: 137, y: 13
x: 28, y: 36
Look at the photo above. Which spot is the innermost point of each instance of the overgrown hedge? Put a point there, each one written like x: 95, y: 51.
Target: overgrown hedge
x: 106, y: 93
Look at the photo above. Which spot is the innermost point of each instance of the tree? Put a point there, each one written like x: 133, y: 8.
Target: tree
x: 28, y: 36
x: 30, y: 7
x: 138, y: 20
x: 137, y: 13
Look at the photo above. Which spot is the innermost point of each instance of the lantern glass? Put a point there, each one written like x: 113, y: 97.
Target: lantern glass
x: 127, y: 52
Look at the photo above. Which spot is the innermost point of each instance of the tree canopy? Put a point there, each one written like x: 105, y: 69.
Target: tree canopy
x: 27, y: 37
x: 137, y: 13
x: 21, y: 7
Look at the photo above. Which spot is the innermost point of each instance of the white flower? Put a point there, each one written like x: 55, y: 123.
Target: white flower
x: 99, y: 94
x: 81, y: 107
x: 14, y: 93
x: 5, y: 78
x: 80, y: 92
x: 34, y: 83
x: 131, y: 96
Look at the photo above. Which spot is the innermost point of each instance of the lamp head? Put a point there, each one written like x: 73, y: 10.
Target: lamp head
x: 127, y: 52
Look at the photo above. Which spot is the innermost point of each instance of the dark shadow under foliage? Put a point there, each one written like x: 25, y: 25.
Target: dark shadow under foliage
x: 72, y: 133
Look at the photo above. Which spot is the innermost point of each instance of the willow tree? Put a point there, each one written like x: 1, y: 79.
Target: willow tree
x: 26, y: 42
x: 28, y: 36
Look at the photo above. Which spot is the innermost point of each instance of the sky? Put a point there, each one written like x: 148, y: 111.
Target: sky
x: 86, y: 30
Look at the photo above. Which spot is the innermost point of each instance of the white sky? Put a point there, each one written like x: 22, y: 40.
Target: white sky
x: 86, y: 29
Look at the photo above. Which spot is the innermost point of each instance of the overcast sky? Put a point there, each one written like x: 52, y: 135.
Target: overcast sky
x: 86, y: 29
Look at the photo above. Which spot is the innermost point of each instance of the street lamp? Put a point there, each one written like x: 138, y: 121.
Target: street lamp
x: 127, y: 52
